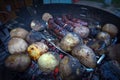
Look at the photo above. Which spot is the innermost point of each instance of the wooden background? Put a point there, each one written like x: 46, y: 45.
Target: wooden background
x: 8, y: 8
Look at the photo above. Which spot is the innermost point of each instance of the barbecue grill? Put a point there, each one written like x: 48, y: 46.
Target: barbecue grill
x: 26, y: 15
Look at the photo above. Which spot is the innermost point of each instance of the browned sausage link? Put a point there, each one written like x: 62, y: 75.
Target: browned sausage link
x: 59, y: 21
x: 56, y: 28
x: 67, y: 21
x: 77, y: 20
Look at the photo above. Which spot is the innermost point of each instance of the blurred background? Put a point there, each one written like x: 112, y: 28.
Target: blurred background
x: 9, y: 7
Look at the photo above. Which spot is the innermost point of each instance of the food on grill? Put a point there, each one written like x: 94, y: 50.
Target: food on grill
x: 111, y: 29
x: 46, y: 17
x: 70, y: 68
x: 59, y: 21
x: 104, y: 36
x: 69, y: 42
x: 76, y: 20
x: 18, y: 62
x: 17, y: 45
x: 48, y: 62
x: 36, y: 49
x: 56, y: 28
x: 36, y: 25
x: 82, y: 31
x: 33, y: 36
x: 67, y: 21
x: 19, y: 32
x: 85, y: 55
x: 114, y: 52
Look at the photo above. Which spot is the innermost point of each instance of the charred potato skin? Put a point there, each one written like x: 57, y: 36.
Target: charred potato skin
x: 36, y: 49
x: 19, y: 32
x: 111, y: 29
x: 85, y: 55
x: 69, y: 42
x: 17, y: 45
x: 48, y: 62
x: 18, y: 62
x: 70, y: 69
x: 82, y: 31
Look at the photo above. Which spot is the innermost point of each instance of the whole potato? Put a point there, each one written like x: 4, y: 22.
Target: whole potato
x: 35, y: 50
x: 19, y: 32
x: 69, y: 41
x: 82, y: 31
x: 70, y: 69
x: 17, y: 45
x: 18, y: 62
x: 114, y: 53
x: 33, y: 37
x: 46, y: 16
x: 85, y: 55
x: 104, y: 36
x: 37, y: 25
x: 48, y: 62
x: 111, y: 29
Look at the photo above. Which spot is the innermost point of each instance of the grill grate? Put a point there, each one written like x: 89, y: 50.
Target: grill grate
x: 33, y: 72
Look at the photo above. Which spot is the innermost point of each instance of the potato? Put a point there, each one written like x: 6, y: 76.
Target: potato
x: 104, y: 36
x: 33, y: 37
x: 19, y: 32
x: 48, y: 62
x: 111, y: 29
x: 82, y: 31
x: 85, y: 55
x: 114, y: 53
x: 70, y: 68
x: 46, y: 16
x: 17, y: 45
x: 69, y: 41
x: 37, y: 25
x: 35, y: 50
x: 18, y: 62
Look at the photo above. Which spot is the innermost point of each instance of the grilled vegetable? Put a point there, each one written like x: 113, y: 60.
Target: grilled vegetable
x: 69, y: 41
x: 35, y: 50
x: 70, y: 68
x: 48, y: 62
x: 17, y: 45
x: 18, y: 62
x: 33, y: 37
x: 114, y: 52
x: 85, y: 55
x: 37, y: 25
x: 103, y: 36
x: 111, y: 29
x: 82, y: 31
x: 46, y: 16
x: 19, y: 32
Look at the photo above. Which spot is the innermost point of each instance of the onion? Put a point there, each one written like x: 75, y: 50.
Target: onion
x: 17, y: 45
x: 35, y: 50
x: 19, y: 32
